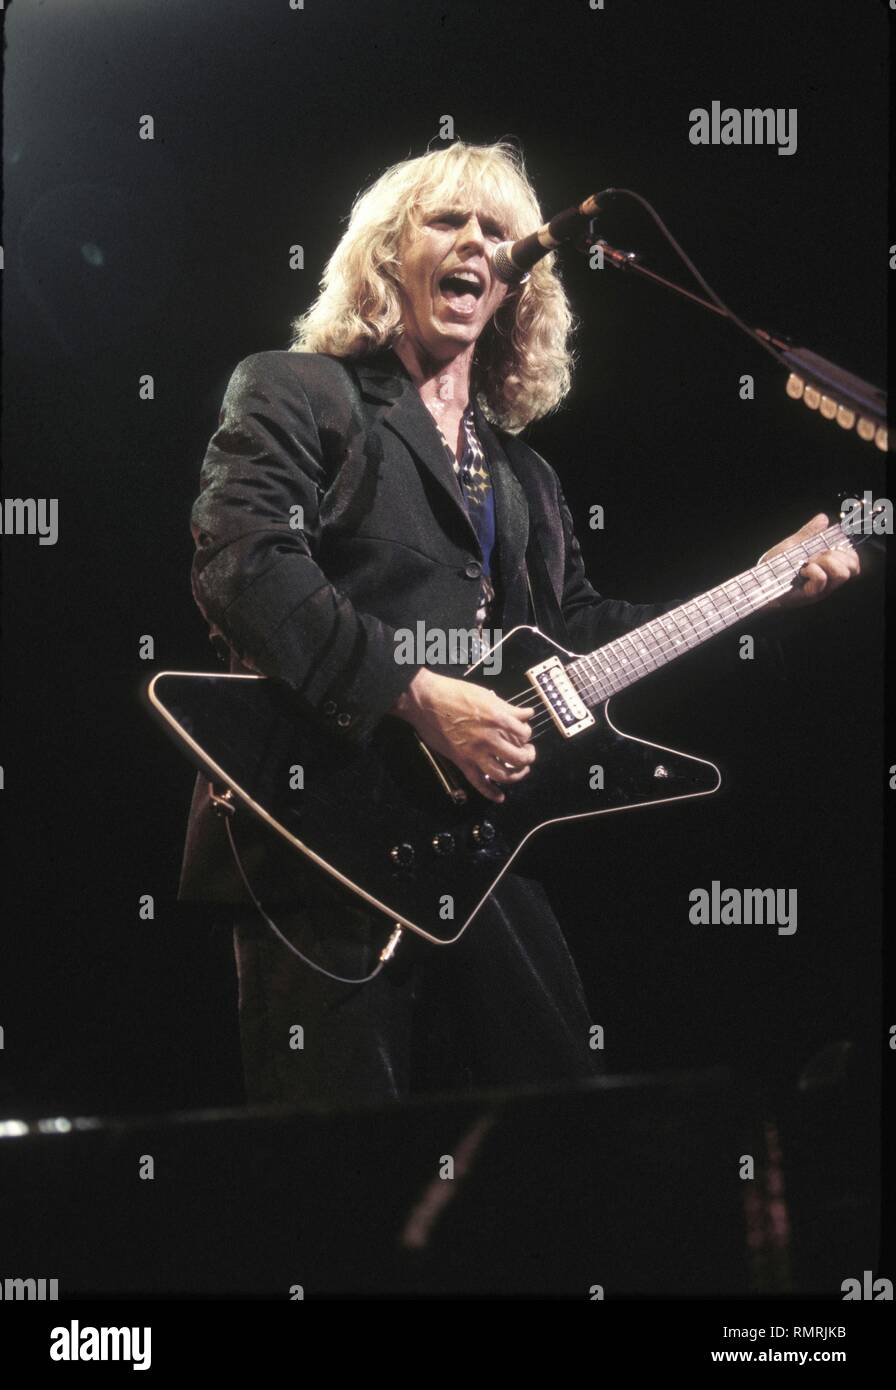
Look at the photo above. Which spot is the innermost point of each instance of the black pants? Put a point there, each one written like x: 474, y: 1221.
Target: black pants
x: 504, y: 1006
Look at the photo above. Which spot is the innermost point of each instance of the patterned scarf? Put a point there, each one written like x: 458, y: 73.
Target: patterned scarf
x: 476, y: 487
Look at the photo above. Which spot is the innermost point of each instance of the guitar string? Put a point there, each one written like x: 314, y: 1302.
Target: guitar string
x: 531, y: 698
x: 641, y: 663
x: 666, y: 649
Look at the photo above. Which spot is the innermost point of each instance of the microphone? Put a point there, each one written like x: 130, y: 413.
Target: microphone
x: 513, y: 259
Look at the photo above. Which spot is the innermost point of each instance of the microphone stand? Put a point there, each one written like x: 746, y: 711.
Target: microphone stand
x: 823, y: 386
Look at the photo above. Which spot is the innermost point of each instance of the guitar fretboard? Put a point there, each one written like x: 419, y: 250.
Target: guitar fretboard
x: 627, y: 659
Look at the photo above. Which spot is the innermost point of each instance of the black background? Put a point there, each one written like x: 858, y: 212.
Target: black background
x: 170, y: 257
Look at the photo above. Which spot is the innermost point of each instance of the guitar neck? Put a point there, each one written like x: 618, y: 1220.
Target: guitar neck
x: 636, y: 654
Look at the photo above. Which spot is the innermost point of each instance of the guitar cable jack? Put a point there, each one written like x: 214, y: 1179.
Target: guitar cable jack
x: 222, y: 801
x: 391, y: 945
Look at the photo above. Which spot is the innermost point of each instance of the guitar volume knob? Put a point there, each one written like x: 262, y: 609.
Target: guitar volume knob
x: 443, y: 842
x: 483, y: 833
x: 402, y: 855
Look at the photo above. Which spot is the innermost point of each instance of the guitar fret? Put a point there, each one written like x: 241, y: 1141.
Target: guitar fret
x: 595, y: 677
x: 630, y: 655
x: 684, y: 635
x: 583, y: 673
x: 577, y: 672
x: 601, y: 678
x: 695, y: 618
x: 708, y: 612
x: 598, y: 677
x: 634, y: 654
x: 722, y: 617
x: 739, y: 581
x: 609, y: 672
x: 760, y: 580
x: 695, y: 622
x: 797, y: 563
x: 650, y: 637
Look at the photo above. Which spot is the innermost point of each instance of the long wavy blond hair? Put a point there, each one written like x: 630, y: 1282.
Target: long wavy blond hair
x: 522, y: 366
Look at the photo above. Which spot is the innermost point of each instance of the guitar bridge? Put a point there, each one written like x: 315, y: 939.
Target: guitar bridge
x: 565, y: 705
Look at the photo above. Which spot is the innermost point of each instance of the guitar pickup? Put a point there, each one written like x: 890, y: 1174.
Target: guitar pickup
x: 565, y: 705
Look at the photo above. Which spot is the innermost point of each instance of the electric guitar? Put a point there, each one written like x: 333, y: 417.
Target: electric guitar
x: 396, y: 823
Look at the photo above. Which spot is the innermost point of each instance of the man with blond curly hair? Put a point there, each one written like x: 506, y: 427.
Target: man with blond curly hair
x: 390, y: 429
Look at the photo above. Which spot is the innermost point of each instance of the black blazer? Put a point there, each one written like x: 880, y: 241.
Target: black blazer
x: 313, y: 598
